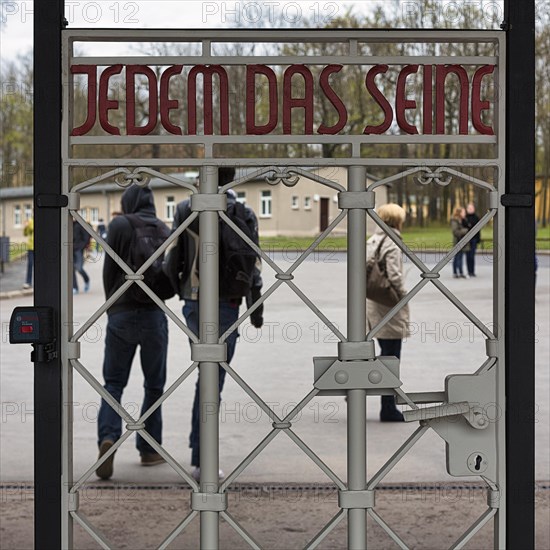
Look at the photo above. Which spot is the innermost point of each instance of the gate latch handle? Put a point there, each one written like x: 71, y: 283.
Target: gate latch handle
x: 474, y: 415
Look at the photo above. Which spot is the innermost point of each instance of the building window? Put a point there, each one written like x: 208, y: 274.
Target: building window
x: 94, y: 215
x: 170, y: 208
x: 307, y: 203
x: 265, y: 204
x: 241, y: 197
x: 295, y: 202
x: 17, y: 215
x: 84, y: 213
x: 28, y: 212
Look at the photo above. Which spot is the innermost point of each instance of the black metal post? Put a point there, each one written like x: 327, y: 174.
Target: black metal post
x: 48, y: 21
x: 519, y: 274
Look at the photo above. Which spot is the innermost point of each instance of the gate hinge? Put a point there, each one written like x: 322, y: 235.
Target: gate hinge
x: 516, y: 199
x: 51, y: 200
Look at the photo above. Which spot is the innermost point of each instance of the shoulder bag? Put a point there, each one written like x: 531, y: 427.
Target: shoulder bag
x: 379, y: 287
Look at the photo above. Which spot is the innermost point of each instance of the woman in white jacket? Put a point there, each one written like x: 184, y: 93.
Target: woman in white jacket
x: 391, y: 335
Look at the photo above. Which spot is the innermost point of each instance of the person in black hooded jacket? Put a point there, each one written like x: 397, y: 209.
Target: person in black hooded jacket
x: 131, y: 323
x: 229, y: 305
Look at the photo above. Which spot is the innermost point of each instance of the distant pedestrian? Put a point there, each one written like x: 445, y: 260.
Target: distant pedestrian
x: 458, y: 229
x: 134, y: 320
x: 102, y: 232
x: 28, y: 231
x: 81, y: 240
x: 390, y: 259
x: 470, y: 221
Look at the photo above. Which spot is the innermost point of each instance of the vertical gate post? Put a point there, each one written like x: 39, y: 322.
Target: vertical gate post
x: 209, y: 375
x: 357, y: 319
x: 48, y: 22
x: 519, y: 275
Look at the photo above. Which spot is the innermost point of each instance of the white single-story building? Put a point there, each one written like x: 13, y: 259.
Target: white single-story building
x: 304, y: 209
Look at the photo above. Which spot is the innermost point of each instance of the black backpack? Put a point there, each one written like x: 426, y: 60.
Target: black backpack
x: 237, y: 259
x: 147, y: 237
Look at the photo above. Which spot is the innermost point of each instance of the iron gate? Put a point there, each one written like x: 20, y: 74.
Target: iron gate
x: 474, y: 444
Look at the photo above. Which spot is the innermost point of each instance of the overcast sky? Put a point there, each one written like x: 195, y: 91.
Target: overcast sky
x: 17, y: 15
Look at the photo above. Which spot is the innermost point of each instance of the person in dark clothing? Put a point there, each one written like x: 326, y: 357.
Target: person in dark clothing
x: 470, y: 221
x: 458, y: 229
x: 102, y: 231
x: 81, y: 239
x: 130, y: 324
x: 229, y: 305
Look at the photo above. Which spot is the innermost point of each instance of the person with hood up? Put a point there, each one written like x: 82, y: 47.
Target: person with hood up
x: 131, y: 323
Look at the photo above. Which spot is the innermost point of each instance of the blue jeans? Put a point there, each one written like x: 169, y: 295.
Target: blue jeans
x: 457, y: 263
x: 229, y: 313
x: 126, y: 330
x: 390, y: 346
x: 78, y: 265
x: 30, y: 263
x: 471, y: 258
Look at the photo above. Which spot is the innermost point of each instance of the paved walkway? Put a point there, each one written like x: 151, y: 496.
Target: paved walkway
x: 277, y: 363
x: 12, y: 279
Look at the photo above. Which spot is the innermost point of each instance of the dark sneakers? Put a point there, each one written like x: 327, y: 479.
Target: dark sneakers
x: 151, y: 459
x: 105, y: 471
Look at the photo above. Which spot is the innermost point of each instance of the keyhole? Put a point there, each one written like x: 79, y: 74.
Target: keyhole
x: 478, y: 462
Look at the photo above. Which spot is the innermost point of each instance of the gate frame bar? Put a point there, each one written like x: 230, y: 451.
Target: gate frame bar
x: 519, y: 313
x: 48, y: 400
x: 519, y: 293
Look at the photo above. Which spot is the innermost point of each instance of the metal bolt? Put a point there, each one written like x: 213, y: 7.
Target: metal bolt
x: 375, y: 377
x: 341, y: 377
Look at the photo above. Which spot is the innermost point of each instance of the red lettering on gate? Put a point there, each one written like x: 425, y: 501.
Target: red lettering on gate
x: 167, y: 104
x: 160, y: 104
x: 290, y: 102
x: 427, y: 104
x: 208, y: 72
x: 380, y: 99
x: 131, y: 128
x: 251, y: 127
x: 441, y: 73
x: 334, y: 98
x: 106, y: 104
x: 91, y: 71
x: 401, y: 101
x: 477, y: 104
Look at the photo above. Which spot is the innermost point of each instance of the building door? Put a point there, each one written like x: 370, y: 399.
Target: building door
x: 323, y: 222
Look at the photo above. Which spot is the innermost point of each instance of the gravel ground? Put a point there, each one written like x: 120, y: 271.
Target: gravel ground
x: 278, y: 517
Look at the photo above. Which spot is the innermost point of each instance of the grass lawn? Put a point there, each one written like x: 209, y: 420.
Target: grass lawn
x: 417, y: 238
x: 17, y: 250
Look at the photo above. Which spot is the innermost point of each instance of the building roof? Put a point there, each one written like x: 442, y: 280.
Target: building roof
x: 155, y: 183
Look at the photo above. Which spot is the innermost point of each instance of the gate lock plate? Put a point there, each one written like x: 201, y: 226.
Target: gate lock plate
x: 467, y: 423
x: 377, y: 377
x: 36, y: 326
